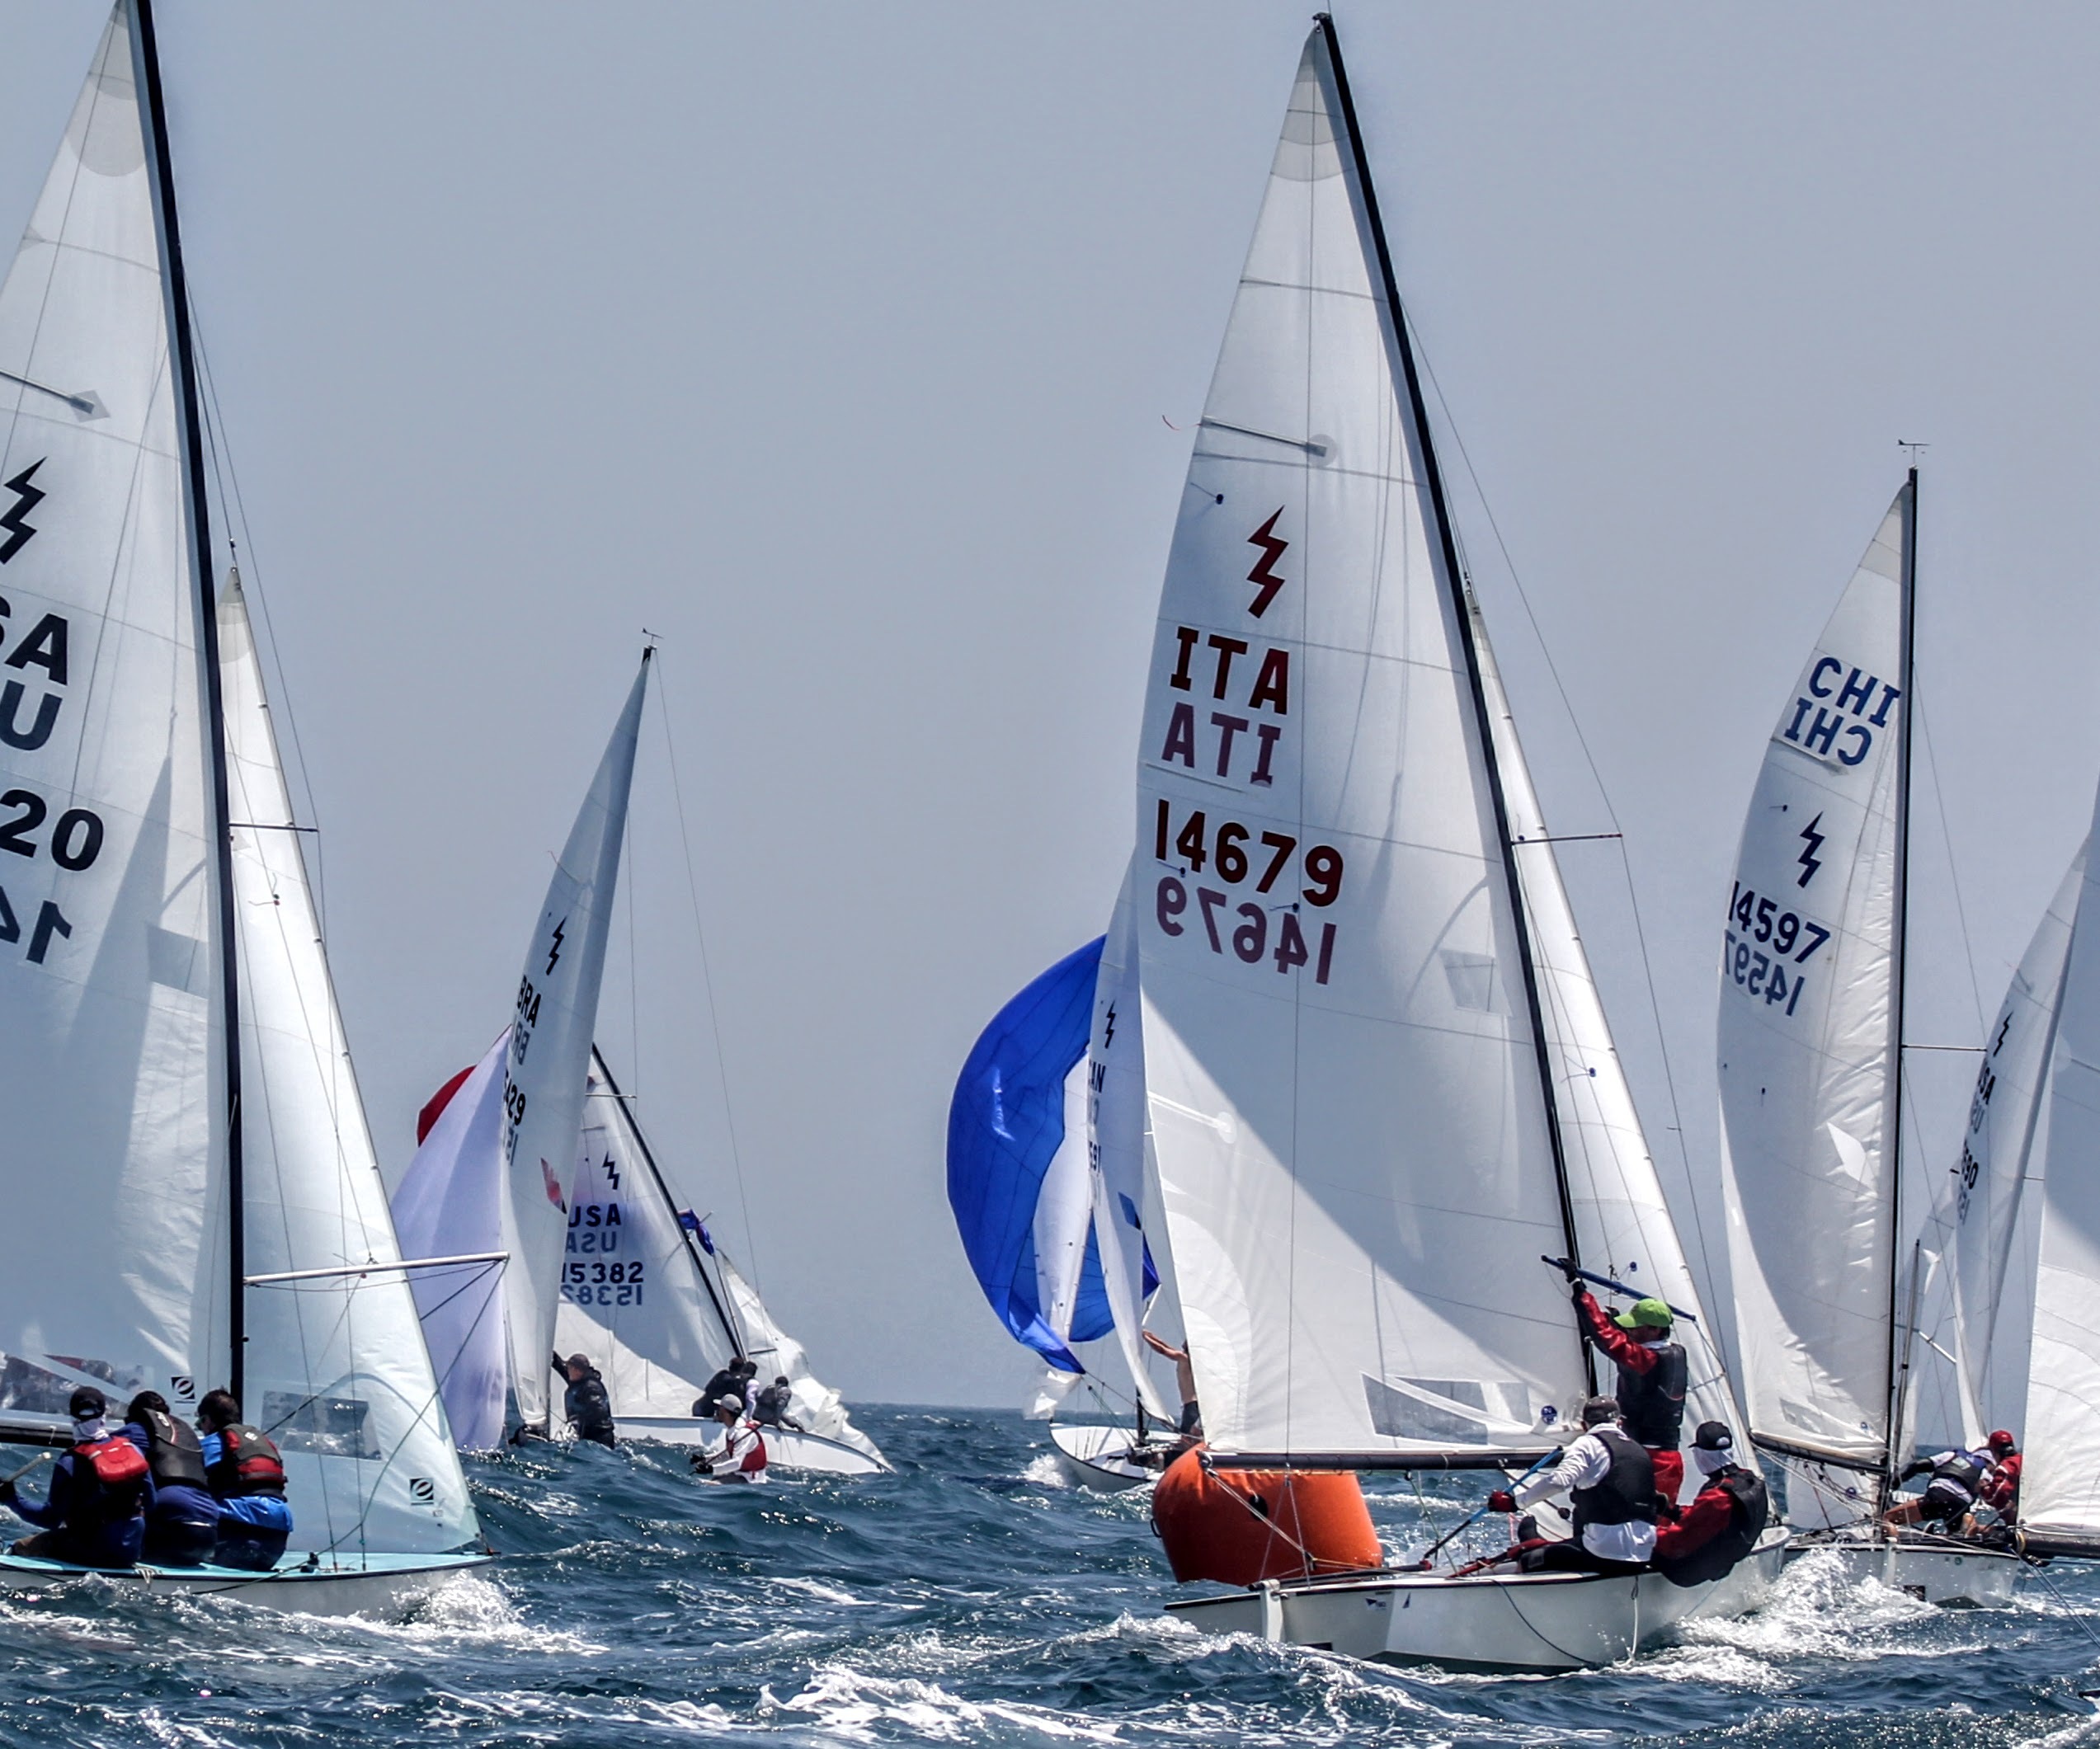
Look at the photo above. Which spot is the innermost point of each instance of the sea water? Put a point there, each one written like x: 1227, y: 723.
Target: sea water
x: 970, y: 1598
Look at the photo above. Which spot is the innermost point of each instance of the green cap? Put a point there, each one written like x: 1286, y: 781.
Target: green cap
x: 1651, y: 1313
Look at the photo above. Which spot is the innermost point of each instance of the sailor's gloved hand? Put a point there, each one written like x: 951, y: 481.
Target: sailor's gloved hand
x: 1502, y: 1500
x: 703, y: 1465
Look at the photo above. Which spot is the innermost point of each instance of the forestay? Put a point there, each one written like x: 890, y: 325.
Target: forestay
x: 1808, y: 1034
x: 337, y: 1371
x: 551, y: 1030
x: 112, y: 1039
x: 2027, y: 1225
x: 1347, y: 1107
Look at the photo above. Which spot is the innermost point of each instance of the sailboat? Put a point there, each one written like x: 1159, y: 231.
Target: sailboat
x: 1046, y: 1178
x: 1811, y: 1068
x: 658, y: 1305
x: 490, y: 1185
x: 171, y: 1032
x: 1381, y: 1085
x: 2026, y: 1226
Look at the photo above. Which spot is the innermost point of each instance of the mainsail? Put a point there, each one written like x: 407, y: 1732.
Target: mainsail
x: 1810, y: 1030
x: 2026, y: 1220
x: 1357, y: 1033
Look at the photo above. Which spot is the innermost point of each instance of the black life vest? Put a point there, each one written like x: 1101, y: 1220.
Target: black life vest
x: 1627, y: 1492
x: 248, y: 1463
x: 589, y: 1409
x: 110, y: 1479
x: 1964, y: 1470
x: 1651, y: 1404
x: 1750, y: 1508
x: 173, y: 1452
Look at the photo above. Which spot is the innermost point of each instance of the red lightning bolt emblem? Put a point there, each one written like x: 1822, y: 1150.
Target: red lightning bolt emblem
x: 1272, y: 549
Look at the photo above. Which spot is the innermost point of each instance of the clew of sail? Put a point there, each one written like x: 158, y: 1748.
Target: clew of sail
x: 1348, y: 1114
x: 450, y: 1204
x: 336, y: 1371
x: 1808, y: 1031
x: 1117, y: 1145
x: 112, y: 1018
x: 551, y: 1029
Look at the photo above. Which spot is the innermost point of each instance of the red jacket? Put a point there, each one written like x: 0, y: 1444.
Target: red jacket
x: 1710, y: 1513
x: 2001, y: 1488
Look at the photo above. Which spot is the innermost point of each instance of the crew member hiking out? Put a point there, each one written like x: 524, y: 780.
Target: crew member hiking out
x: 246, y: 1474
x: 182, y: 1521
x: 95, y: 1515
x: 773, y: 1404
x: 1950, y: 1496
x: 589, y: 1409
x: 1723, y: 1522
x: 1611, y: 1480
x: 1652, y: 1379
x: 741, y: 1457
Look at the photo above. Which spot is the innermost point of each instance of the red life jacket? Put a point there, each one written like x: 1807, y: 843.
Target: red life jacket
x: 248, y: 1464
x: 110, y: 1475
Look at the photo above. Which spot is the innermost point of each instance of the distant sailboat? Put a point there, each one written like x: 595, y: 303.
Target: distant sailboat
x: 168, y: 1024
x: 1811, y: 1062
x: 2026, y: 1220
x: 1380, y: 1080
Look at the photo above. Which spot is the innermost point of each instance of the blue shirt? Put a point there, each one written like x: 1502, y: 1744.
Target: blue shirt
x: 265, y: 1512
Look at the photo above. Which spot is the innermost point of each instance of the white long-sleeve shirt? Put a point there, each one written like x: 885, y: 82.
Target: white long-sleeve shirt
x: 1584, y: 1464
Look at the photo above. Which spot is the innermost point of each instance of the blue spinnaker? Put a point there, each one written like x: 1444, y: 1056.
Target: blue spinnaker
x: 1006, y: 1138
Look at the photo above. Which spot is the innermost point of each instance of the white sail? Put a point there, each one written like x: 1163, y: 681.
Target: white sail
x: 336, y: 1371
x: 1623, y: 1226
x: 1117, y: 1143
x: 450, y: 1204
x: 549, y: 1059
x: 636, y: 1295
x: 819, y: 1408
x: 112, y: 1044
x: 1807, y: 1036
x: 1346, y: 1095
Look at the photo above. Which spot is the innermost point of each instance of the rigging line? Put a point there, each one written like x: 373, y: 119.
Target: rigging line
x: 1953, y: 873
x: 707, y: 985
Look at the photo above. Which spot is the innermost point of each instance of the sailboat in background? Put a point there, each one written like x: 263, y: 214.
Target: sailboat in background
x: 1376, y: 1062
x: 168, y: 1024
x: 1811, y: 1068
x: 2026, y: 1226
x: 501, y: 1209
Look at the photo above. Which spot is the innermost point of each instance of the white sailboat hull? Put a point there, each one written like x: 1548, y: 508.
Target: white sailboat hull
x: 1933, y: 1573
x: 1098, y: 1458
x: 785, y: 1449
x: 1531, y: 1622
x: 382, y: 1587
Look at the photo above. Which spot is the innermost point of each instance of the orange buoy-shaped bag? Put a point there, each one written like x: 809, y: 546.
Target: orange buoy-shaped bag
x: 1245, y: 1525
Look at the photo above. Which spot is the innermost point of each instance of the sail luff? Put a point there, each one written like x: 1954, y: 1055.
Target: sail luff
x: 1900, y: 1345
x: 189, y: 432
x: 1454, y: 578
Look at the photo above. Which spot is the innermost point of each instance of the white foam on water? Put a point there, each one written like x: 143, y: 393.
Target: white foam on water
x: 1818, y: 1609
x: 827, y: 1593
x: 848, y: 1703
x: 1046, y: 1472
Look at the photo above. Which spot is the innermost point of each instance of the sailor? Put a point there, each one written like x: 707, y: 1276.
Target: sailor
x: 589, y: 1409
x: 1950, y: 1497
x: 773, y: 1404
x: 1611, y: 1480
x: 2001, y: 1488
x: 246, y: 1474
x: 741, y: 1457
x: 95, y: 1514
x: 1191, y: 1425
x: 1651, y: 1382
x: 728, y: 1381
x: 182, y: 1522
x: 1724, y: 1519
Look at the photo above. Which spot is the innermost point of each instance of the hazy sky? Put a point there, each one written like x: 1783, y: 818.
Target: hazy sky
x: 839, y: 344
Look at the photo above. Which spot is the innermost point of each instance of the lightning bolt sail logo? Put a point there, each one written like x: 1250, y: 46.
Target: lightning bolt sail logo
x: 27, y: 497
x: 1108, y: 1030
x: 1811, y: 843
x: 554, y: 949
x: 1264, y: 575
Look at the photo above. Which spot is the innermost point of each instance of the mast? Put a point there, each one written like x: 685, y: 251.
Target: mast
x: 182, y: 355
x: 1899, y: 1347
x: 687, y: 1239
x: 1462, y: 606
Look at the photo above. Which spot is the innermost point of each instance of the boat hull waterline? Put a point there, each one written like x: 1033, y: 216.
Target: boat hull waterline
x: 1526, y: 1622
x: 1098, y: 1458
x: 1983, y: 1577
x: 382, y: 1587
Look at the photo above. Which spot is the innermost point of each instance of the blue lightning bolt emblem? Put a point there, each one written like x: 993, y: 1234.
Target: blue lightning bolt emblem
x: 554, y: 950
x: 1812, y: 842
x: 27, y: 497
